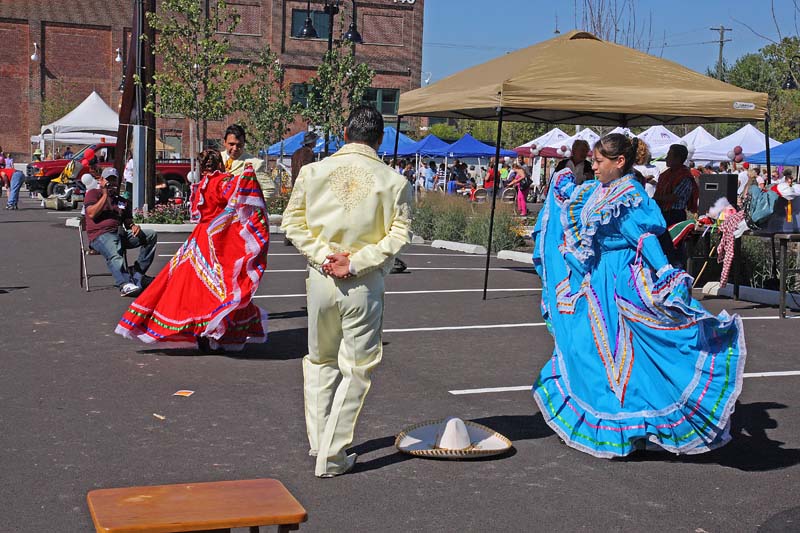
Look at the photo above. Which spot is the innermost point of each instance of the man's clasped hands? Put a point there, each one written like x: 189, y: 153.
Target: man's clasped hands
x: 338, y: 265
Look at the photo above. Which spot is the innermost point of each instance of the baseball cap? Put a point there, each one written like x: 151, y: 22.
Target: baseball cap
x: 108, y: 172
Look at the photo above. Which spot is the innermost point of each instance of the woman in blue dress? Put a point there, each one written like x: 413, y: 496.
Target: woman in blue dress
x: 637, y: 362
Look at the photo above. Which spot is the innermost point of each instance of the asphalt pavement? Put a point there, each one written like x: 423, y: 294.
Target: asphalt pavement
x: 78, y: 406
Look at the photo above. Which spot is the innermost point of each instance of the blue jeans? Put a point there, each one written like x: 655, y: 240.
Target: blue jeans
x: 112, y: 245
x: 16, y: 184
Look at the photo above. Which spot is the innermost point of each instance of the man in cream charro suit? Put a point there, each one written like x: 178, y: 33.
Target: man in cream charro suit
x: 349, y: 215
x: 234, y: 158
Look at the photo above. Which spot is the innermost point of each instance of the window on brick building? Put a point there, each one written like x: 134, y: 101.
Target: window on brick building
x: 299, y: 94
x: 385, y: 100
x: 319, y: 18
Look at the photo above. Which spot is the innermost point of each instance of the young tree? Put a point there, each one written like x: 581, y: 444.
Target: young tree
x: 266, y: 104
x: 337, y: 88
x: 194, y: 80
x: 616, y: 21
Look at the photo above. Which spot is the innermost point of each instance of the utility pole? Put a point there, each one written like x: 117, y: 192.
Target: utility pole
x: 722, y: 40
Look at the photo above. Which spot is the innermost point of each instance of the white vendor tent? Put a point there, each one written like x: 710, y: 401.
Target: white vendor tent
x: 624, y: 131
x: 92, y: 115
x: 554, y: 137
x: 658, y: 139
x: 76, y: 138
x: 748, y: 137
x: 698, y: 138
x: 588, y: 135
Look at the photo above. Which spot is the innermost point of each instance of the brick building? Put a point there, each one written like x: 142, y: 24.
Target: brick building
x: 77, y: 42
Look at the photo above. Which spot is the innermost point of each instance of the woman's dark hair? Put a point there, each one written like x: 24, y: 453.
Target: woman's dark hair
x: 365, y: 125
x: 615, y: 145
x: 237, y: 131
x: 432, y: 164
x: 210, y: 160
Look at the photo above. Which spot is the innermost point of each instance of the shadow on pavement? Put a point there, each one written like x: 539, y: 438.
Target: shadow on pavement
x: 750, y: 449
x: 783, y: 522
x: 6, y: 290
x: 281, y: 345
x: 288, y: 314
x: 518, y: 427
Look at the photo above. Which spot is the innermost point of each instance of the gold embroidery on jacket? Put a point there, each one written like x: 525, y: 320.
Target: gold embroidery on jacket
x: 351, y: 185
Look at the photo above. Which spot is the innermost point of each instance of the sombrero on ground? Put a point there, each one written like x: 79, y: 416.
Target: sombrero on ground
x: 451, y: 438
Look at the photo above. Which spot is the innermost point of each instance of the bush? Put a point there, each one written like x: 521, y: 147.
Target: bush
x: 756, y: 265
x: 276, y: 204
x: 163, y: 214
x: 505, y: 234
x: 455, y: 219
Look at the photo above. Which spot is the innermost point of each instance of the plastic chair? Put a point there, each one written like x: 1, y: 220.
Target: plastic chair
x: 509, y: 195
x: 480, y: 196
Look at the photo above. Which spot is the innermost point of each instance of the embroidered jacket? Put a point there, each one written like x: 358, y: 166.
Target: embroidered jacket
x: 350, y: 202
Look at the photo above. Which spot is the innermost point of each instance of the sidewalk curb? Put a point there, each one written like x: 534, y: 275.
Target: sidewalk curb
x: 163, y: 228
x: 751, y: 294
x: 416, y: 239
x: 459, y: 247
x: 519, y: 257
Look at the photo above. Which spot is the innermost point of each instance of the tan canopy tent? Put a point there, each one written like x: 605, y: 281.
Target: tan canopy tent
x: 577, y: 78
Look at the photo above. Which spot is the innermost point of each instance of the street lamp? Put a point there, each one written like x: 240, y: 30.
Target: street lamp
x: 35, y: 54
x: 791, y: 84
x: 352, y: 35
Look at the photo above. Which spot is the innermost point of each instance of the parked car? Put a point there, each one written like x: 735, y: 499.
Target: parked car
x: 40, y: 174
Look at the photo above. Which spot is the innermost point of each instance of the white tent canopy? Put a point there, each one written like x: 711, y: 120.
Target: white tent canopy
x: 658, y: 139
x: 624, y: 131
x: 698, y: 138
x: 748, y: 137
x: 554, y: 137
x: 92, y: 115
x: 76, y: 138
x: 587, y: 134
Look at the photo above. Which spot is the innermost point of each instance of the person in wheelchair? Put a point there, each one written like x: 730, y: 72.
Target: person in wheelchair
x: 111, y: 230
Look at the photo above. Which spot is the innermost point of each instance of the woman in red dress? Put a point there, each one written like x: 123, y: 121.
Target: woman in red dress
x: 204, y: 294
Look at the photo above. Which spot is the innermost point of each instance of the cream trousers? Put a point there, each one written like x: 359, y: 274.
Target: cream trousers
x: 345, y: 318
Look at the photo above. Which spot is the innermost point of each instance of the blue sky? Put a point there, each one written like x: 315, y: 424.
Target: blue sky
x: 462, y: 33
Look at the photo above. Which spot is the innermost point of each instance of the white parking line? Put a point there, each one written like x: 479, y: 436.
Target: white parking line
x: 443, y: 291
x: 453, y: 328
x: 529, y: 387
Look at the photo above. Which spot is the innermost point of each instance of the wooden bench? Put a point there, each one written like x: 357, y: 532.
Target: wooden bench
x: 199, y: 507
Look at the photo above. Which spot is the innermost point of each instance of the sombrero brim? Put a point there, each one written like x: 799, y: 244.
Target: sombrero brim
x: 420, y: 440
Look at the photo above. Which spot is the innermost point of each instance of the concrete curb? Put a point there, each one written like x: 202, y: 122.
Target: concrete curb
x: 459, y: 247
x: 163, y: 228
x: 416, y: 239
x: 519, y: 257
x: 751, y: 294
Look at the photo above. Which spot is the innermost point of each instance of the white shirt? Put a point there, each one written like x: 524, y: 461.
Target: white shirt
x: 577, y: 171
x: 743, y: 178
x: 649, y: 171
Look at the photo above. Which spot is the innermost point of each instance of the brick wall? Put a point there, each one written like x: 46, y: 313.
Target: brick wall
x: 78, y: 39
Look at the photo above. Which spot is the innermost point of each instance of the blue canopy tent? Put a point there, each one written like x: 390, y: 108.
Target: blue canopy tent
x: 469, y: 146
x: 290, y: 145
x: 387, y: 146
x: 787, y: 154
x: 427, y: 146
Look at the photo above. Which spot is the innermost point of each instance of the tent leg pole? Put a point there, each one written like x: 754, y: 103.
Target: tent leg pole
x: 397, y: 140
x: 495, y: 187
x: 766, y: 141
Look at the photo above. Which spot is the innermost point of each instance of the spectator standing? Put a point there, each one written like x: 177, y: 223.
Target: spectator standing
x: 304, y: 155
x: 646, y: 168
x: 743, y: 177
x: 68, y: 153
x: 581, y: 168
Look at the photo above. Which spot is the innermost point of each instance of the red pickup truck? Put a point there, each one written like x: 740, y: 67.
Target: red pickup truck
x: 40, y: 173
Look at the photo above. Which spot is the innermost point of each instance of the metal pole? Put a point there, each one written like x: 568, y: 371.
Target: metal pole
x: 397, y: 139
x: 494, y: 199
x: 766, y: 141
x: 330, y: 9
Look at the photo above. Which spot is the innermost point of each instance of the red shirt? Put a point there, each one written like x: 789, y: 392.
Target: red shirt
x: 107, y: 220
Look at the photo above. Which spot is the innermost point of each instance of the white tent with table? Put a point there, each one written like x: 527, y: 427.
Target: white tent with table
x: 748, y: 137
x: 554, y: 137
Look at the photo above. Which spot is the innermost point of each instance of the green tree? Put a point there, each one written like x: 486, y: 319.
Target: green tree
x: 193, y: 46
x: 266, y: 104
x: 443, y: 130
x: 514, y: 133
x: 337, y: 88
